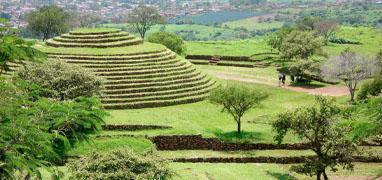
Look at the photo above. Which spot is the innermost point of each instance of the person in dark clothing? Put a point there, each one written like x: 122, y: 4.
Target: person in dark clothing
x: 280, y: 79
x: 283, y: 78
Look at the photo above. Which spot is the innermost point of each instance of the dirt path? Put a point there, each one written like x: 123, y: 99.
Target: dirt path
x: 355, y: 178
x: 326, y: 91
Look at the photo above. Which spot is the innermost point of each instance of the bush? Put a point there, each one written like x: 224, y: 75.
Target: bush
x: 119, y: 164
x: 343, y: 41
x: 370, y: 88
x: 170, y: 40
x: 61, y: 81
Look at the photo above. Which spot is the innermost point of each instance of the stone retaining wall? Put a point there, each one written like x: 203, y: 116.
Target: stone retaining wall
x: 197, y: 142
x: 111, y: 127
x: 278, y: 160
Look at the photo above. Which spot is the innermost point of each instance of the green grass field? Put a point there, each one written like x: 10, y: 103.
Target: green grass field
x: 371, y: 39
x: 252, y: 24
x: 228, y: 48
x: 263, y: 171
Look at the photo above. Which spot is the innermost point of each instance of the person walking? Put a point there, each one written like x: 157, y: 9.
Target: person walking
x: 280, y: 79
x: 283, y: 79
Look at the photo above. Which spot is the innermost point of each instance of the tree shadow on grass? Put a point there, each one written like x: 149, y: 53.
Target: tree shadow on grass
x: 243, y: 137
x: 308, y: 85
x: 281, y: 176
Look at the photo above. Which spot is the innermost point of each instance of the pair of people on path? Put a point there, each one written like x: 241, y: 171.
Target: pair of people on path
x: 282, y: 78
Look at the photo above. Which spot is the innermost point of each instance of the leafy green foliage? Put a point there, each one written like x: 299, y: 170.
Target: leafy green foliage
x: 237, y: 100
x: 299, y: 44
x: 24, y: 145
x: 61, y: 81
x: 36, y: 131
x: 170, y: 40
x: 320, y: 126
x: 275, y: 40
x: 71, y: 121
x: 48, y: 21
x: 304, y: 70
x: 119, y: 164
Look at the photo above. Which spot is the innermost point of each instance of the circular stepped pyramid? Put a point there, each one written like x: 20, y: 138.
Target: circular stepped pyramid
x: 137, y: 74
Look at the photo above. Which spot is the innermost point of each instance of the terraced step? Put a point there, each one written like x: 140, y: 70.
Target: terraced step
x: 154, y: 75
x: 156, y: 97
x: 151, y: 104
x: 93, y: 40
x: 152, y: 80
x: 108, y: 58
x: 141, y: 68
x: 96, y: 36
x: 143, y: 64
x: 156, y: 83
x: 155, y: 88
x: 132, y: 61
x: 159, y: 93
x: 94, y: 31
x: 146, y: 71
x: 80, y: 52
x: 131, y: 42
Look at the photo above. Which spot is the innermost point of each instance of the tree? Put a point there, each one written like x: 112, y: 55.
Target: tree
x: 319, y: 125
x: 304, y: 70
x: 307, y: 23
x: 326, y: 29
x: 62, y: 81
x: 237, y: 100
x: 350, y: 68
x: 299, y: 44
x: 119, y: 164
x: 48, y: 21
x: 275, y: 39
x: 142, y: 18
x: 170, y: 40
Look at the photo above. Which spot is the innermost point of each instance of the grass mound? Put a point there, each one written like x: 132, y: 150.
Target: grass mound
x: 138, y: 75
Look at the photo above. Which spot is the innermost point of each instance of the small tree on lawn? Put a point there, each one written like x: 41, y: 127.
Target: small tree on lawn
x: 237, y: 100
x: 319, y: 126
x: 350, y: 68
x: 143, y: 18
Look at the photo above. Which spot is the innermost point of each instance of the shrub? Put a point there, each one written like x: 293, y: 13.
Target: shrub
x: 61, y: 81
x: 119, y: 164
x: 170, y: 40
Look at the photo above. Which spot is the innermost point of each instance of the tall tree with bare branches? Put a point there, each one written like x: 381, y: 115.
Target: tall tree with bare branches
x: 350, y: 68
x: 326, y: 29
